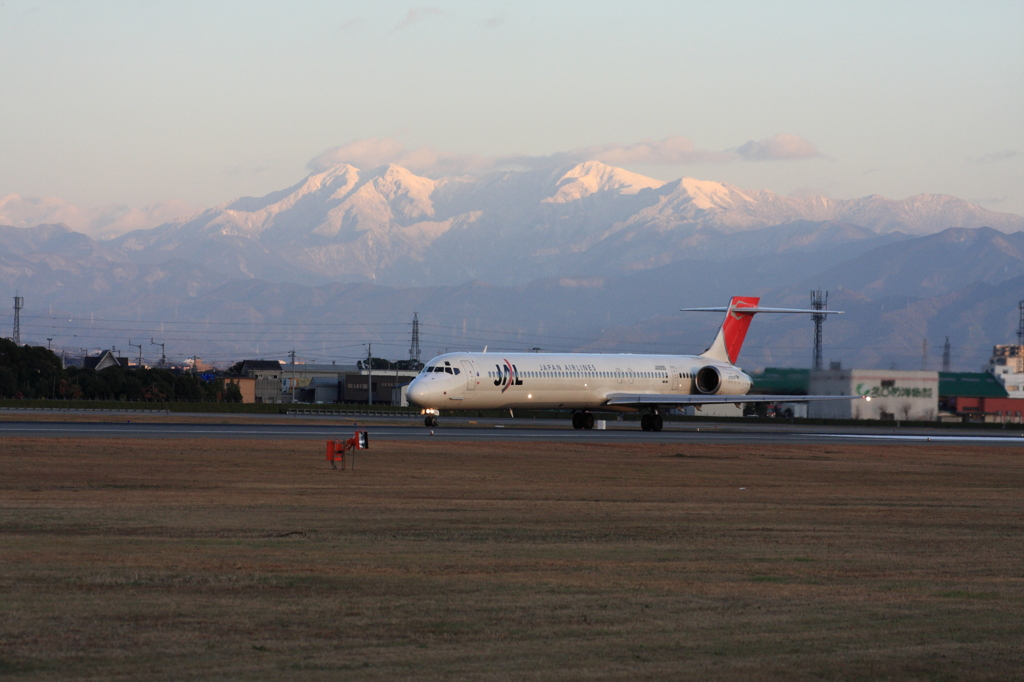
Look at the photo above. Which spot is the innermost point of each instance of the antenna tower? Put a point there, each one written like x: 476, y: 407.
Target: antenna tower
x: 1020, y: 324
x: 945, y: 355
x: 414, y: 349
x: 19, y: 302
x: 818, y: 303
x: 924, y: 355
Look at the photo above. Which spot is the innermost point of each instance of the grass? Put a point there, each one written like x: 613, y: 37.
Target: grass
x: 209, y: 559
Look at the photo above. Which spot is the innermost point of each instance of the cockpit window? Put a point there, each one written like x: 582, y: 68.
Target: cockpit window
x: 439, y: 369
x: 429, y: 369
x: 456, y: 370
x: 448, y: 370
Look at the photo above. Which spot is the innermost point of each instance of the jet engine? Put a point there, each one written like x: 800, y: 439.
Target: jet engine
x: 708, y: 380
x: 714, y: 380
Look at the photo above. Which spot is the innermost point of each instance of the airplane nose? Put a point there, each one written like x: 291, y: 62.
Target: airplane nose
x: 418, y: 393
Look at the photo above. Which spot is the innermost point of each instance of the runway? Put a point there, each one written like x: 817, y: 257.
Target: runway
x: 525, y: 431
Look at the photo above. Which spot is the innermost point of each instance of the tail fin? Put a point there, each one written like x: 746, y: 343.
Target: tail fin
x: 729, y: 340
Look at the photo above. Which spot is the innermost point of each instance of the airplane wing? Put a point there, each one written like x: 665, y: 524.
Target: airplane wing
x: 639, y: 399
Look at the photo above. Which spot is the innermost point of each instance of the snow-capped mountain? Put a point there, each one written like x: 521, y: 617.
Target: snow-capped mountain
x: 388, y: 225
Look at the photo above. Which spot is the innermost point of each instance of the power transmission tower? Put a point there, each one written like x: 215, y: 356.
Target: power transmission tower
x: 414, y: 349
x: 19, y: 302
x: 924, y: 355
x: 945, y: 355
x: 818, y: 303
x: 163, y: 356
x: 139, y: 346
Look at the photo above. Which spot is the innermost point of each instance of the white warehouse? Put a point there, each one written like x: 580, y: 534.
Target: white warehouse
x: 894, y: 395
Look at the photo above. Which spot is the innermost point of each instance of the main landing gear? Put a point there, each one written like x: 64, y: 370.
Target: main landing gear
x: 582, y: 420
x: 651, y: 422
x: 430, y: 420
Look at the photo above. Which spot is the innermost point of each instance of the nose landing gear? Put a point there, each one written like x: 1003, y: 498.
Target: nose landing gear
x: 430, y: 420
x: 651, y: 422
x: 582, y: 420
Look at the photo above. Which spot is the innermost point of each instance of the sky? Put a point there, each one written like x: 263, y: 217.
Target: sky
x: 149, y: 109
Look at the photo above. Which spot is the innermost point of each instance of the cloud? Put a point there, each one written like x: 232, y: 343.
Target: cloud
x: 990, y: 201
x: 673, y: 150
x: 102, y: 222
x: 780, y: 147
x: 495, y: 22
x: 994, y: 157
x: 669, y: 151
x: 415, y: 15
x: 352, y: 25
x: 376, y: 152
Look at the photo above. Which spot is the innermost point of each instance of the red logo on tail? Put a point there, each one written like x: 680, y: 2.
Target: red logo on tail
x: 736, y: 324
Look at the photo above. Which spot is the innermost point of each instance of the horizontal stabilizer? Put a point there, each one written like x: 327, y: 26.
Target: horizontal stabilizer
x: 753, y: 309
x: 641, y: 399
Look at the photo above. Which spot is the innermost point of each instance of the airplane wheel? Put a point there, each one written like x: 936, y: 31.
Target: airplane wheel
x: 577, y: 421
x: 430, y: 421
x: 656, y: 422
x: 426, y: 421
x: 588, y: 420
x: 645, y: 422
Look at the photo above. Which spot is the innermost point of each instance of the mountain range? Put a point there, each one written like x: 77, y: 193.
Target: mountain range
x: 587, y: 256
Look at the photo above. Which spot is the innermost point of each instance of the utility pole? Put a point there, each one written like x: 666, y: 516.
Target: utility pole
x: 1020, y: 338
x: 163, y: 356
x: 817, y: 303
x: 414, y: 349
x: 924, y: 355
x: 369, y: 374
x: 139, y: 346
x: 19, y: 302
x: 291, y: 380
x: 946, y: 355
x: 48, y: 340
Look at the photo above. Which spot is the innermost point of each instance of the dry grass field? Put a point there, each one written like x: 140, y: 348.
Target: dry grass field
x: 199, y: 559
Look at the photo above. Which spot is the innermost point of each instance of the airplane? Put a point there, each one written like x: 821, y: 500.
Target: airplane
x: 606, y: 382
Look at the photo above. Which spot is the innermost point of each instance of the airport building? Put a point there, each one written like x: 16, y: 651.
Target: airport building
x: 266, y: 381
x: 966, y: 396
x: 385, y: 383
x: 894, y: 395
x: 1007, y: 366
x: 978, y: 396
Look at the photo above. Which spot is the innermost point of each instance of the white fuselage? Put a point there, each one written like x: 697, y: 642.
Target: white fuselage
x: 473, y: 381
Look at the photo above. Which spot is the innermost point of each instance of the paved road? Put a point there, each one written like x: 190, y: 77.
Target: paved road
x: 462, y: 430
